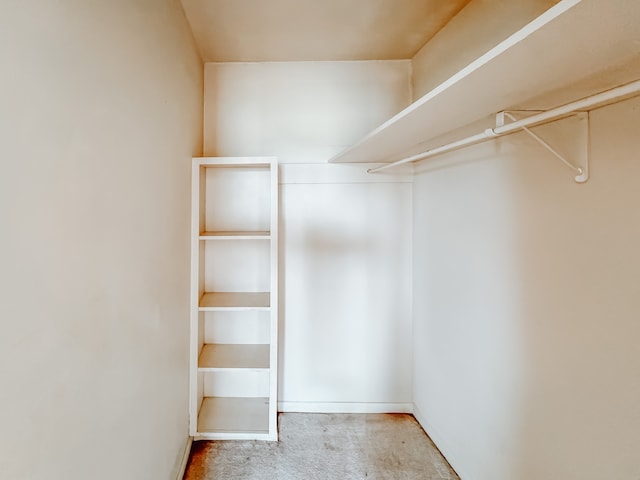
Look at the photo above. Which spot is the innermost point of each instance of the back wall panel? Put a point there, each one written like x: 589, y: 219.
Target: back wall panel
x: 345, y: 236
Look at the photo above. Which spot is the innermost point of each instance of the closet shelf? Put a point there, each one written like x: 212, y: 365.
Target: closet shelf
x: 220, y: 301
x: 231, y: 356
x: 576, y: 47
x: 234, y: 417
x: 233, y: 386
x: 236, y: 235
x: 234, y: 162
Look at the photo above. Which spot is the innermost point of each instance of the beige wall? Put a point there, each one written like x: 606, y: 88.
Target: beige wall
x: 477, y: 28
x: 527, y: 296
x: 101, y: 111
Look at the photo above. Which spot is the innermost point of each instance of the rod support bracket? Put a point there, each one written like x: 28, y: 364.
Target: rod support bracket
x: 582, y: 169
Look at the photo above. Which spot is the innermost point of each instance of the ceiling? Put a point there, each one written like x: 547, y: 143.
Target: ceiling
x: 315, y: 30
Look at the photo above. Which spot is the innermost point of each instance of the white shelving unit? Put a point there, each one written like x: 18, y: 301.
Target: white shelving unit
x: 575, y: 49
x: 234, y: 298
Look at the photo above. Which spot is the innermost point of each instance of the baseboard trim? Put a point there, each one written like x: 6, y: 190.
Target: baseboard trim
x: 185, y: 459
x: 439, y: 443
x: 349, y: 407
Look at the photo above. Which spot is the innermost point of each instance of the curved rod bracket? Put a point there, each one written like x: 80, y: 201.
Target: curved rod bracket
x: 581, y: 170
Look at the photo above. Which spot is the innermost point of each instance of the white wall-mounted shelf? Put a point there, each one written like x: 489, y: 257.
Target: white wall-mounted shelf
x: 584, y: 46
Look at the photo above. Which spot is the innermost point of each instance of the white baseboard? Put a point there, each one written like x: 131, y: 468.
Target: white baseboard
x: 440, y: 444
x: 185, y: 459
x: 336, y: 407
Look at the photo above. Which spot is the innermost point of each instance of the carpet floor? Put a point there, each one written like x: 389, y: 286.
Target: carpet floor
x: 326, y: 447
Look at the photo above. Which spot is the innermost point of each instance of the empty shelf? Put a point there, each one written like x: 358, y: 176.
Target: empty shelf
x: 234, y: 415
x: 225, y: 356
x: 235, y: 301
x: 262, y: 235
x: 235, y: 162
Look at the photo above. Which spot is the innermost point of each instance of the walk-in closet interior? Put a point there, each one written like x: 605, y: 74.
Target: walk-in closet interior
x: 218, y: 210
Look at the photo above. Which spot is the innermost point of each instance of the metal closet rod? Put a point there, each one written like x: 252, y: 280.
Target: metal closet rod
x: 537, y: 119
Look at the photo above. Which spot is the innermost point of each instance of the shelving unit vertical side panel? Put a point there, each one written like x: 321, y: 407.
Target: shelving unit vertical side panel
x: 273, y: 386
x: 194, y: 315
x: 202, y: 200
x: 199, y: 396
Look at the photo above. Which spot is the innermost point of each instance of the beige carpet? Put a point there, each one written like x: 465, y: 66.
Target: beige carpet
x: 326, y: 447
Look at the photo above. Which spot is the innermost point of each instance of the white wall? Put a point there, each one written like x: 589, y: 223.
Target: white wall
x: 475, y: 30
x: 346, y: 329
x: 525, y: 287
x: 101, y: 112
x: 345, y: 249
x: 303, y: 112
x: 526, y: 300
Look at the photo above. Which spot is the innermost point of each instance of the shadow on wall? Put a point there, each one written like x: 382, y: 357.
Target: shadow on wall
x: 526, y: 306
x: 336, y: 278
x: 580, y: 290
x: 346, y: 277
